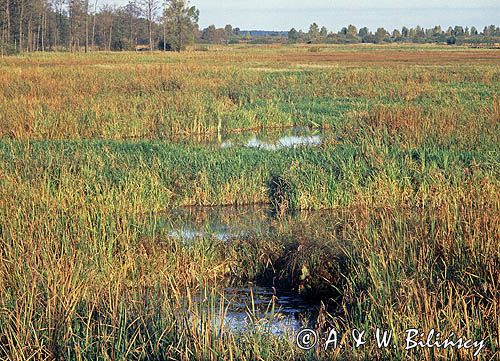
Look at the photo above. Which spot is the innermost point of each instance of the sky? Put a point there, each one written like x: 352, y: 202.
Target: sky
x: 334, y: 14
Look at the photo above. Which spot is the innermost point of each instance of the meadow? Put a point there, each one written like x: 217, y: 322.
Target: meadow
x: 97, y: 149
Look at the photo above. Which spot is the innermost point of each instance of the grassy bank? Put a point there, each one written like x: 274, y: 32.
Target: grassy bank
x: 158, y: 176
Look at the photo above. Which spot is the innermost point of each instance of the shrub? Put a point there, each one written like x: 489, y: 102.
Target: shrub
x: 122, y: 45
x: 164, y: 46
x: 8, y: 49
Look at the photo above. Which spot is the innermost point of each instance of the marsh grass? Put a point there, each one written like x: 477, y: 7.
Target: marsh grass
x: 410, y: 183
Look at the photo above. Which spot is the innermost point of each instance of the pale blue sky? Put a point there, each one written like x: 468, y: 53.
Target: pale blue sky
x: 334, y: 14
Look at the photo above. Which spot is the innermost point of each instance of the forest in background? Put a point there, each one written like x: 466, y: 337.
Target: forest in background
x: 85, y: 25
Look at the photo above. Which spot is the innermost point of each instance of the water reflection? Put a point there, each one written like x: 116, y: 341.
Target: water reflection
x: 255, y: 308
x: 222, y: 223
x: 292, y: 141
x: 270, y: 139
x: 245, y: 222
x: 277, y: 312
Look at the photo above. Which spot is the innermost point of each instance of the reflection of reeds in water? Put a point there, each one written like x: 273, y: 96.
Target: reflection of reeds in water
x: 249, y: 222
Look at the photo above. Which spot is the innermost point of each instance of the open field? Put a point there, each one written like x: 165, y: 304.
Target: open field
x: 109, y: 96
x: 97, y: 149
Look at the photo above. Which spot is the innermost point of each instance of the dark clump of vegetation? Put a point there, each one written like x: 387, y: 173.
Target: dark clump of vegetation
x: 283, y: 195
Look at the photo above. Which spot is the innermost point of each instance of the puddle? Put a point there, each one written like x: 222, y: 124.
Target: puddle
x: 273, y: 140
x: 264, y: 309
x: 290, y: 141
x: 295, y: 137
x: 190, y: 235
x: 224, y: 223
x: 276, y: 312
x: 246, y: 222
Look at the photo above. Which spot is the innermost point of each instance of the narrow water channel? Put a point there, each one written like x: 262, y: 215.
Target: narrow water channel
x: 277, y: 310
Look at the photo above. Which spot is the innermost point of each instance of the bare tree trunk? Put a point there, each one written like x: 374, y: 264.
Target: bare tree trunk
x: 57, y: 33
x: 29, y: 41
x: 2, y: 21
x: 71, y: 20
x: 93, y: 24
x: 58, y: 29
x: 110, y: 35
x: 131, y: 26
x: 7, y: 15
x: 150, y: 23
x: 2, y: 43
x: 38, y: 34
x: 150, y: 7
x: 86, y: 25
x: 21, y: 26
x: 179, y: 33
x: 44, y: 28
x: 164, y: 35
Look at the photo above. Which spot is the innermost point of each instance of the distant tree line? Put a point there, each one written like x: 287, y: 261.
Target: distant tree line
x: 351, y: 34
x: 230, y: 35
x: 87, y: 25
x: 226, y: 35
